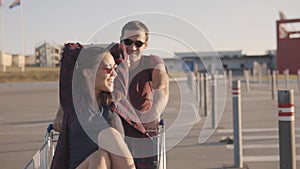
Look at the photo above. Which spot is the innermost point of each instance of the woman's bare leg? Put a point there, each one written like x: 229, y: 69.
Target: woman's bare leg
x: 98, y: 160
x: 112, y: 141
x: 113, y: 153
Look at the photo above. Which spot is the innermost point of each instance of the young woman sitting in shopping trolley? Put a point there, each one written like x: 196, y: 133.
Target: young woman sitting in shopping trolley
x: 92, y: 134
x: 83, y: 125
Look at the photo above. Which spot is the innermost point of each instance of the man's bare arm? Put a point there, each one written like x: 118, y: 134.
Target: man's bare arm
x: 160, y: 82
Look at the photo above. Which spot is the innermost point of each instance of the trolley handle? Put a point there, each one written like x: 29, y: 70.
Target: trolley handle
x: 50, y: 128
x: 155, y: 132
x: 162, y: 122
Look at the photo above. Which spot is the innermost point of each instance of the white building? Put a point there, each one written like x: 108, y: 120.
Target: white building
x: 5, y: 59
x: 18, y: 60
x: 48, y: 55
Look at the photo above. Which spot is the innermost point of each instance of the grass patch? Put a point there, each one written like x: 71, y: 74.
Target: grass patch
x: 31, y: 74
x: 41, y: 74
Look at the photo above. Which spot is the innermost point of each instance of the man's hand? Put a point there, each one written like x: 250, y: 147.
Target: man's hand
x: 153, y: 125
x: 57, y: 122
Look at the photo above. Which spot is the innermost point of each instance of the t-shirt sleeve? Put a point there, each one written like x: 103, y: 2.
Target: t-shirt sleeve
x: 155, y: 60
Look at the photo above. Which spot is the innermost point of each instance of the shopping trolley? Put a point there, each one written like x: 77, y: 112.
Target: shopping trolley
x: 43, y: 157
x: 159, y: 146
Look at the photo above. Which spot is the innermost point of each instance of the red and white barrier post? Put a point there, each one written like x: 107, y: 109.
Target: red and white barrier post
x: 287, y: 149
x: 237, y: 124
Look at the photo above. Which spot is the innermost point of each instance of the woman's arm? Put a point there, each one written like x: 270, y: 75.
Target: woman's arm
x: 57, y: 122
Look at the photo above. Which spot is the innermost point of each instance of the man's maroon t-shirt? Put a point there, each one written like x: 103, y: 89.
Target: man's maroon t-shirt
x: 140, y: 83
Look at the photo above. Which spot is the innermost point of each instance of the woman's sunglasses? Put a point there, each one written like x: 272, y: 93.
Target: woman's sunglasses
x: 109, y: 68
x: 129, y: 42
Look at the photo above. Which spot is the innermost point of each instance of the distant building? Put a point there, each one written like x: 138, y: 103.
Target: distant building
x: 230, y: 60
x: 198, y: 61
x: 254, y: 63
x: 48, y: 55
x: 30, y: 60
x: 18, y: 60
x: 5, y: 59
x: 173, y: 64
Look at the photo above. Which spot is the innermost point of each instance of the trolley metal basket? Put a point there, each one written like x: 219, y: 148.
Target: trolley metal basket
x: 43, y: 157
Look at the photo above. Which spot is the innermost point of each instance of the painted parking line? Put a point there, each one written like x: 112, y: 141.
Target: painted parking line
x: 250, y: 130
x: 264, y: 158
x: 259, y: 146
x: 258, y: 137
x: 8, y: 133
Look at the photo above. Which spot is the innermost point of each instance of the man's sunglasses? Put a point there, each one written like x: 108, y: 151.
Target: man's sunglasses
x: 129, y: 42
x: 109, y: 68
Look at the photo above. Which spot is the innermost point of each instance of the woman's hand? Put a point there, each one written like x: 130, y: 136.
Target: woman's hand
x: 57, y: 122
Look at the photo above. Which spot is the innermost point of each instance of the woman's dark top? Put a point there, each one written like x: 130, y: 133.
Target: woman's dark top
x: 84, y: 131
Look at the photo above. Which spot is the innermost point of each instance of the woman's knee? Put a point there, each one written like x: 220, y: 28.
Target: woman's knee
x: 112, y: 141
x: 108, y: 135
x: 99, y: 159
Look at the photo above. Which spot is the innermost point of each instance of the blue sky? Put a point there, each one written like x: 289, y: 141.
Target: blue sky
x: 176, y: 26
